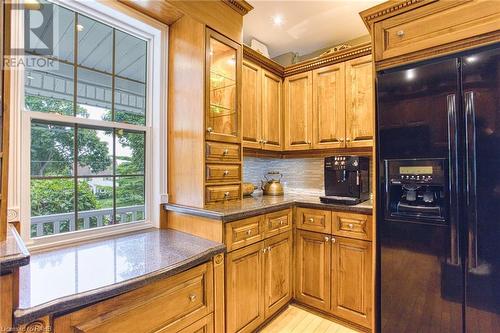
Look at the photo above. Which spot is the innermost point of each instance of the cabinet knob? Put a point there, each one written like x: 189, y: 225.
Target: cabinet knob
x: 268, y: 249
x: 226, y: 172
x: 210, y: 130
x: 348, y: 139
x: 226, y: 194
x: 282, y: 222
x: 308, y: 142
x: 264, y: 141
x: 311, y: 219
x: 400, y: 33
x: 327, y: 238
x: 341, y: 139
x: 192, y: 298
x: 333, y: 240
x: 225, y: 152
x: 264, y: 250
x: 249, y: 232
x: 350, y: 225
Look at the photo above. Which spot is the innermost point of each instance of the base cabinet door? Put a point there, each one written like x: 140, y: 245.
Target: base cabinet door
x: 204, y: 325
x: 277, y: 272
x: 312, y: 267
x: 244, y: 289
x: 351, y: 280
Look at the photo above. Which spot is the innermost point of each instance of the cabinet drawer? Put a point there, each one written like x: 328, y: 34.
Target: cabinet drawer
x: 167, y: 305
x: 434, y: 25
x: 223, y: 172
x: 277, y: 222
x: 314, y: 220
x: 244, y: 232
x: 222, y: 152
x: 351, y: 225
x: 222, y: 193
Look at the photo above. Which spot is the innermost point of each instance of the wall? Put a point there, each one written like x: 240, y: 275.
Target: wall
x: 300, y: 175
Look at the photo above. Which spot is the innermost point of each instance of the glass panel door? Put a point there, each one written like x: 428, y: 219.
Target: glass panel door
x: 223, y: 58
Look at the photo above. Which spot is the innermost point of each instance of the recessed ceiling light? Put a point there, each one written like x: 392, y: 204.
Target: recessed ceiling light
x: 79, y: 27
x: 278, y: 20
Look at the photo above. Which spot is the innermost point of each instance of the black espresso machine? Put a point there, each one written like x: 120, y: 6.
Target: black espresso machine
x: 346, y: 180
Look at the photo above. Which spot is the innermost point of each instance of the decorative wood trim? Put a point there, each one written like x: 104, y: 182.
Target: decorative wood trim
x: 388, y: 9
x: 40, y: 325
x: 219, y: 293
x: 305, y: 66
x: 362, y: 151
x: 263, y: 61
x: 330, y: 59
x: 240, y: 6
x: 441, y: 50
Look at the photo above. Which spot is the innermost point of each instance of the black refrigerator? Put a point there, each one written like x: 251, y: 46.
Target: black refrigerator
x: 438, y: 195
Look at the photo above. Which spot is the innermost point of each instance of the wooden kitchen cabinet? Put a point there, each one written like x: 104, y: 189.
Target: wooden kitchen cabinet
x: 272, y: 128
x: 245, y: 288
x: 329, y: 107
x: 261, y: 108
x: 312, y: 269
x: 359, y: 102
x: 223, y: 61
x: 351, y: 283
x: 251, y: 105
x: 298, y: 111
x: 277, y: 272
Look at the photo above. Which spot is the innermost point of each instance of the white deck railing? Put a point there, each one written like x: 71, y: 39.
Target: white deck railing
x: 96, y: 217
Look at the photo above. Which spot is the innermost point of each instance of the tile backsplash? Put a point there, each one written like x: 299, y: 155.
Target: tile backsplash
x: 300, y: 175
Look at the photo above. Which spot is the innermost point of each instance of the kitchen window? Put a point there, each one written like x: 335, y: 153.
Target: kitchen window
x: 88, y: 122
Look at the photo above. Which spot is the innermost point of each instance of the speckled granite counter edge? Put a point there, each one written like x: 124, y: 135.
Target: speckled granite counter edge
x: 16, y: 255
x: 230, y: 217
x: 74, y: 302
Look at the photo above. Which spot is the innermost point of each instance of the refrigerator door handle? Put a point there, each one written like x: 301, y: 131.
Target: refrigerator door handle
x: 453, y: 180
x: 470, y: 154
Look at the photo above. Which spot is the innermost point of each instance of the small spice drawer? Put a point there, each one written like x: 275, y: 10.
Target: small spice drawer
x: 358, y: 226
x: 314, y: 220
x: 222, y: 193
x: 277, y: 222
x: 244, y: 232
x: 222, y: 152
x: 223, y: 173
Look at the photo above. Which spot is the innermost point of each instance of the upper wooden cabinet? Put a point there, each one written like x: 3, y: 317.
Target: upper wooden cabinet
x: 298, y: 111
x: 223, y: 65
x: 272, y: 127
x: 261, y: 108
x: 409, y: 31
x: 251, y: 105
x: 329, y: 107
x: 359, y: 102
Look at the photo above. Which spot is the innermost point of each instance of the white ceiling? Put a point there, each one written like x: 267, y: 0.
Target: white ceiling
x: 308, y: 25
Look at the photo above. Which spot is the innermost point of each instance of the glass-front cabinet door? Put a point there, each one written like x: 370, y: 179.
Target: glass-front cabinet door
x: 223, y: 82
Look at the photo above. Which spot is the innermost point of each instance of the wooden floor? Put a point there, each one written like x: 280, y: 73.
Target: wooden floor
x: 297, y: 320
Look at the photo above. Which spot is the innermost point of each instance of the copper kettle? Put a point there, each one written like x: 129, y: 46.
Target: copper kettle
x: 272, y: 185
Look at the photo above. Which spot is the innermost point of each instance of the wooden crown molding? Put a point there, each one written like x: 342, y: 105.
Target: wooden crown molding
x: 388, y: 9
x: 305, y: 66
x: 263, y: 61
x: 330, y: 59
x: 241, y: 6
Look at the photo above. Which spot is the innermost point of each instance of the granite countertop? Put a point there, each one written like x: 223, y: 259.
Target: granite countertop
x: 261, y: 204
x: 13, y: 253
x: 67, y: 278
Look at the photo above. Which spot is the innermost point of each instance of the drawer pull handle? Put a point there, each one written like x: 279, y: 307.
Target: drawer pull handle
x: 350, y: 225
x: 282, y: 222
x: 226, y: 172
x: 249, y: 232
x: 225, y: 152
x: 400, y: 33
x: 327, y: 239
x: 192, y: 298
x: 311, y: 219
x: 210, y: 130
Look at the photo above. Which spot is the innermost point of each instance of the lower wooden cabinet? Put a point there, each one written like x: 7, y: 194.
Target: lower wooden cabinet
x: 312, y: 268
x: 204, y: 325
x: 334, y: 274
x: 351, y: 285
x: 277, y: 272
x: 258, y: 282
